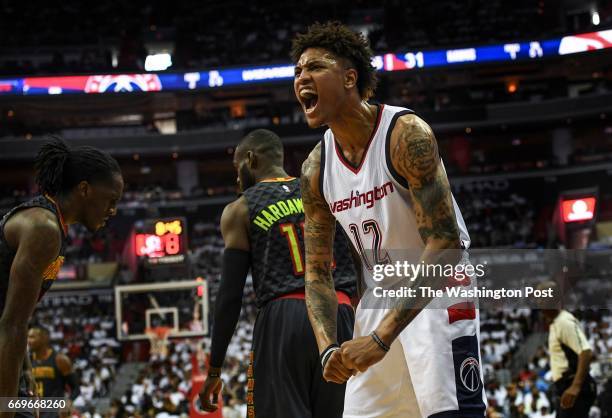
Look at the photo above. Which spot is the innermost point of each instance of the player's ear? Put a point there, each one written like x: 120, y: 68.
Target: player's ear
x: 251, y: 160
x: 350, y: 78
x: 83, y: 188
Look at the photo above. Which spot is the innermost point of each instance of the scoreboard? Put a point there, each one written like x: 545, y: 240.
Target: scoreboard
x: 161, y: 241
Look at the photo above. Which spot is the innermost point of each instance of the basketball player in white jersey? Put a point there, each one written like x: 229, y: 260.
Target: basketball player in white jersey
x: 378, y: 172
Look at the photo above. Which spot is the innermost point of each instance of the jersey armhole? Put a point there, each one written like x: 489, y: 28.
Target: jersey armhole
x: 322, y: 170
x: 249, y: 224
x: 396, y: 176
x: 7, y: 216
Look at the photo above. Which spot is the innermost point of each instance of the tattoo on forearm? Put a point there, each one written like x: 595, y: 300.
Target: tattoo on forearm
x: 321, y: 303
x: 319, y: 237
x: 406, y: 309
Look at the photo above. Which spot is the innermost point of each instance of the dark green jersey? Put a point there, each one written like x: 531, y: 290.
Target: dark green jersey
x: 276, y: 232
x: 48, y: 377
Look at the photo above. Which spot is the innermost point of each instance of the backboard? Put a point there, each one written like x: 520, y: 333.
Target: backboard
x: 180, y: 305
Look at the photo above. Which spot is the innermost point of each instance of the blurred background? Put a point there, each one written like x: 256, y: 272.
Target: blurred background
x: 518, y: 93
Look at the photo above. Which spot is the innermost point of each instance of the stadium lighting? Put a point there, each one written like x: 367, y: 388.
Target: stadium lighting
x: 158, y: 62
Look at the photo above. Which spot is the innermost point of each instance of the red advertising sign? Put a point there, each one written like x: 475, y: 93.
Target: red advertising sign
x: 575, y: 210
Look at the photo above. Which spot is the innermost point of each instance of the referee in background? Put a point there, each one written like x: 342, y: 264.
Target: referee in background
x: 570, y: 358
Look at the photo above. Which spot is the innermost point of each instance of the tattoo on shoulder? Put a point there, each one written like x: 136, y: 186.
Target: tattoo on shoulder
x: 415, y: 151
x: 416, y: 157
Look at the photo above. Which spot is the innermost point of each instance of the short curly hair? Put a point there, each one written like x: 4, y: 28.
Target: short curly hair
x: 343, y: 43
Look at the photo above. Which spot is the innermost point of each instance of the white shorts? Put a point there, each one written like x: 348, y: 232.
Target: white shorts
x: 432, y: 369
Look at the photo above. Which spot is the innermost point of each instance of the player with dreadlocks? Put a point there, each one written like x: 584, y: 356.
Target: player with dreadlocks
x: 77, y: 185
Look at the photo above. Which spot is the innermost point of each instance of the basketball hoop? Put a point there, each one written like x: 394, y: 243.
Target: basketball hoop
x: 158, y: 304
x: 158, y: 337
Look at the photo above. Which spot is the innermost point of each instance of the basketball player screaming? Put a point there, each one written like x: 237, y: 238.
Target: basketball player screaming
x: 378, y: 173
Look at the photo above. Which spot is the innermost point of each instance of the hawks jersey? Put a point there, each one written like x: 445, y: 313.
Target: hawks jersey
x: 276, y: 233
x: 49, y: 379
x: 7, y: 254
x: 372, y: 201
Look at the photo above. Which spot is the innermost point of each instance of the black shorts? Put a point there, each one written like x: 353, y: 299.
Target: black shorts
x: 583, y: 402
x: 285, y: 377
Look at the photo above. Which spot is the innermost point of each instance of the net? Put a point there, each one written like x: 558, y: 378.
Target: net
x: 158, y: 338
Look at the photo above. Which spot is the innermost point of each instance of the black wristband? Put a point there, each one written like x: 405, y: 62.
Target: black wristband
x: 214, y: 374
x: 380, y: 342
x: 326, y: 354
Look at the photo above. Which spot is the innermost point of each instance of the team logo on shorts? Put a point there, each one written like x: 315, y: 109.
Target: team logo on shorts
x: 470, y: 374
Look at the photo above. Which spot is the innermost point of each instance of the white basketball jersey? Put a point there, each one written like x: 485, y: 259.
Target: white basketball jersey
x: 372, y: 201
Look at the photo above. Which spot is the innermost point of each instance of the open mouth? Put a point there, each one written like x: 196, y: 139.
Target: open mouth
x: 309, y: 100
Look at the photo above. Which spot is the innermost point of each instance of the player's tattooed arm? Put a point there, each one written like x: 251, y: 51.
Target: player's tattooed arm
x: 414, y: 155
x: 321, y: 299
